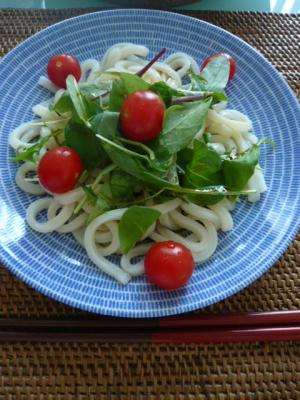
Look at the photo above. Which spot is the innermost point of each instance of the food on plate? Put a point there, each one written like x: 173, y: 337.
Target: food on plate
x: 232, y: 66
x: 62, y: 162
x: 141, y: 116
x: 138, y: 158
x: 60, y: 67
x: 169, y: 265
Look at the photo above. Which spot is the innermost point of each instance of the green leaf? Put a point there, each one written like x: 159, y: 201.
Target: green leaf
x: 102, y: 206
x: 214, y: 77
x: 133, y: 166
x: 31, y: 153
x: 219, y: 96
x: 207, y: 137
x: 103, y: 202
x: 106, y: 124
x: 136, y: 168
x: 91, y: 90
x: 90, y: 194
x: 124, y: 161
x: 63, y: 105
x: 122, y: 185
x: 238, y: 171
x: 181, y: 124
x: 82, y: 139
x: 184, y: 156
x: 88, y: 90
x: 205, y: 167
x: 122, y: 87
x: 77, y: 99
x: 197, y: 82
x: 134, y: 224
x: 92, y: 107
x: 153, y: 177
x: 117, y: 96
x: 204, y: 171
x: 106, y: 128
x: 128, y: 161
x: 165, y: 92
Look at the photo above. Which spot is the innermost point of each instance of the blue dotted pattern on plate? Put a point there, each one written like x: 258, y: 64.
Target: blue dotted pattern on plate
x: 55, y: 264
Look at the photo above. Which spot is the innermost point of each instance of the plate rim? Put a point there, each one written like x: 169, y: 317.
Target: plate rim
x: 186, y: 307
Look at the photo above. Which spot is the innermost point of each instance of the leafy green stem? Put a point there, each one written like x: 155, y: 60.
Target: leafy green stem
x: 143, y: 200
x: 83, y: 177
x: 181, y: 170
x: 46, y: 123
x: 141, y: 145
x: 124, y: 149
x: 31, y: 153
x: 266, y: 140
x: 77, y: 100
x: 186, y: 99
x: 210, y: 192
x: 104, y: 172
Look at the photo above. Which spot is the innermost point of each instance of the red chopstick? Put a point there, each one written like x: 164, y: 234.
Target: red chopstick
x: 229, y: 335
x: 201, y: 328
x: 205, y: 336
x: 235, y: 319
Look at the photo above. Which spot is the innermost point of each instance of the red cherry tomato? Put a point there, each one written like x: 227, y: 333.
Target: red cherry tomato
x: 141, y: 116
x: 230, y: 59
x: 59, y: 169
x: 169, y: 265
x: 59, y: 67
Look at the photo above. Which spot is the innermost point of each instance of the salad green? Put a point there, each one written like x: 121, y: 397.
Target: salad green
x: 174, y: 164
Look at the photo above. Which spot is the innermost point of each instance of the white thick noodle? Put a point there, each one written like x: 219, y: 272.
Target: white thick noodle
x: 224, y: 216
x: 21, y: 136
x: 95, y: 253
x: 182, y: 63
x: 89, y: 70
x: 68, y: 226
x: 256, y: 182
x: 25, y: 185
x: 51, y: 224
x: 70, y: 197
x: 45, y: 83
x: 193, y: 225
x: 126, y: 260
x: 121, y: 51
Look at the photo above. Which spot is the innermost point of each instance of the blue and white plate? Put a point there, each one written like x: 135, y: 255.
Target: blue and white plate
x: 55, y: 264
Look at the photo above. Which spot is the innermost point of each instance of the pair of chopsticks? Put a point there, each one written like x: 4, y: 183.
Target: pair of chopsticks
x: 201, y: 328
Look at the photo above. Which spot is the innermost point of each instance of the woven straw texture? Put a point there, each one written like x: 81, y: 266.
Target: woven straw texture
x: 90, y: 371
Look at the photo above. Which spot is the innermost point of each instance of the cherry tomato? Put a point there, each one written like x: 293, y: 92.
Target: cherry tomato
x: 59, y: 67
x: 141, y: 116
x: 230, y: 59
x: 59, y: 169
x: 169, y: 265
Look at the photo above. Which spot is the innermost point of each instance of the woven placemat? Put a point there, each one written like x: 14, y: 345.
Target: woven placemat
x: 83, y: 371
x: 137, y: 372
